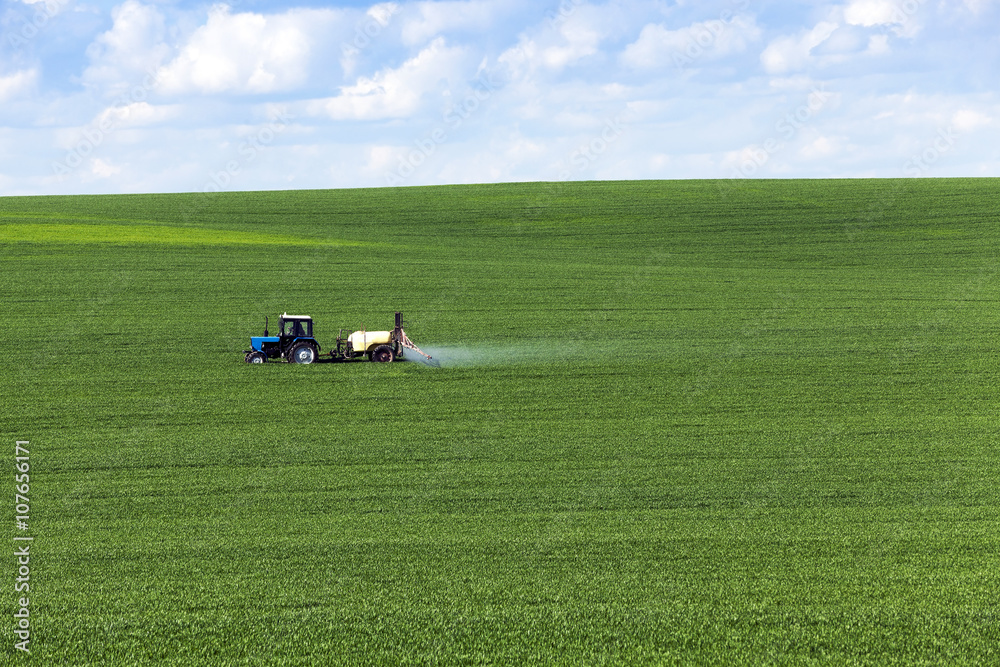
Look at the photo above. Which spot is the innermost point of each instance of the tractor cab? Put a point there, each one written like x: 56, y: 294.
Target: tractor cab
x: 295, y: 326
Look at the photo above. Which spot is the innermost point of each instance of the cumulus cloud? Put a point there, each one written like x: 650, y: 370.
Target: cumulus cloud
x: 970, y: 120
x: 659, y: 47
x: 102, y: 169
x: 135, y: 44
x: 556, y: 45
x: 17, y: 84
x: 397, y: 92
x: 135, y: 114
x: 878, y: 45
x: 789, y: 54
x: 978, y: 7
x: 376, y: 22
x: 432, y: 19
x: 821, y: 147
x: 871, y: 12
x: 903, y: 16
x: 510, y: 90
x: 245, y: 53
x: 532, y: 53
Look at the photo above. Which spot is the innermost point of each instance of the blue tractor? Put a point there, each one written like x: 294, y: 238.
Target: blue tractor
x: 294, y: 342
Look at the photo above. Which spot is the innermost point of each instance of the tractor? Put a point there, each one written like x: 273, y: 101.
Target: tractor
x: 295, y: 343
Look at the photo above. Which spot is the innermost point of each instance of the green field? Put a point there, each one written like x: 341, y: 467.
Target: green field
x: 674, y: 423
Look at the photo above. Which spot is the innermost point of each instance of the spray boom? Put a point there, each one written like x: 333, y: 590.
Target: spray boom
x: 400, y: 336
x: 408, y: 344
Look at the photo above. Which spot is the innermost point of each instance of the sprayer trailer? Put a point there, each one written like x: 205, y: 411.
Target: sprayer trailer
x: 295, y: 343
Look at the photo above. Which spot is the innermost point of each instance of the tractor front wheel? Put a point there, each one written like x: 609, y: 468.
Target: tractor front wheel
x: 256, y: 358
x: 303, y: 354
x: 383, y: 354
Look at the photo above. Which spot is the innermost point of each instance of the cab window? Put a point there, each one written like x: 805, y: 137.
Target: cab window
x: 297, y: 328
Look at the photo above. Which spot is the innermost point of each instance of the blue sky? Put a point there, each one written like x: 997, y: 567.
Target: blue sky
x: 181, y: 96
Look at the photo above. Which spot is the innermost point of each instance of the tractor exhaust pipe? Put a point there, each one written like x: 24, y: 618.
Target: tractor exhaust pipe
x: 265, y: 326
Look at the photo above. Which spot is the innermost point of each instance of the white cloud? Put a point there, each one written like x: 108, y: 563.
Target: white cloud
x: 659, y: 47
x: 820, y: 148
x: 520, y: 58
x: 878, y: 45
x: 17, y: 84
x: 431, y: 19
x: 556, y: 45
x: 555, y: 73
x: 246, y: 53
x: 918, y: 114
x: 136, y: 114
x: 575, y: 43
x: 102, y: 169
x: 969, y: 120
x: 135, y: 44
x: 977, y: 7
x: 580, y: 41
x: 46, y: 10
x: 870, y: 13
x: 372, y: 27
x: 787, y: 54
x: 397, y: 93
x: 383, y: 12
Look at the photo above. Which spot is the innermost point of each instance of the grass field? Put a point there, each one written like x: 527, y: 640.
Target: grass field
x: 675, y: 423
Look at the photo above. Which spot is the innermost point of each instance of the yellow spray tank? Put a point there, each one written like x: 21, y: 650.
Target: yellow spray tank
x: 367, y: 341
x: 381, y: 346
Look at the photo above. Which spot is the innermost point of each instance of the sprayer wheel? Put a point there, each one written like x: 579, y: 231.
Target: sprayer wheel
x: 383, y: 354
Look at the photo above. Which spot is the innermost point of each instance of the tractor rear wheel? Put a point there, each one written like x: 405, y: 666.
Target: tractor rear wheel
x: 383, y: 354
x: 303, y: 354
x: 256, y: 358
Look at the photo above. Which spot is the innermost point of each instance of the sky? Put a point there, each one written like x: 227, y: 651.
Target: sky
x: 181, y: 96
